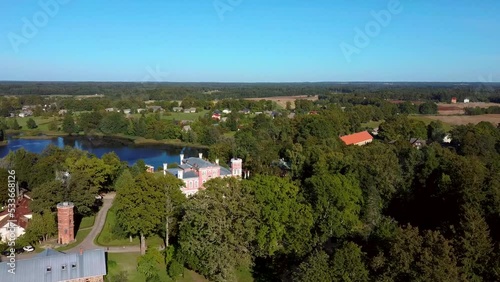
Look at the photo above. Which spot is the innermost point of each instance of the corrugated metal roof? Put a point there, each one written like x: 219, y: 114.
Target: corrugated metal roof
x: 62, y: 267
x: 49, y: 252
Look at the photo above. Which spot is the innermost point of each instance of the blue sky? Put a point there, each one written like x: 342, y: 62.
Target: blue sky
x: 252, y: 41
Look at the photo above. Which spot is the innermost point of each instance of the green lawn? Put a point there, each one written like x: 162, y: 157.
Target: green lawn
x: 447, y: 127
x: 127, y: 262
x: 183, y: 116
x: 80, y: 235
x: 177, y: 115
x: 372, y: 124
x: 124, y: 262
x: 87, y: 222
x: 42, y: 122
x: 108, y: 239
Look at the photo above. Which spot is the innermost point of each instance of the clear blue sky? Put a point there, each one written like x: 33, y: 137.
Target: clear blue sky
x: 256, y: 41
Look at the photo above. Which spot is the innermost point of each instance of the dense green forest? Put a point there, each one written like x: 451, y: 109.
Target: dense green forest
x: 177, y: 91
x: 381, y: 212
x: 387, y: 211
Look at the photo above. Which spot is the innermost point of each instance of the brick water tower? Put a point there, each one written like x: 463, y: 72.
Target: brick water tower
x: 65, y: 223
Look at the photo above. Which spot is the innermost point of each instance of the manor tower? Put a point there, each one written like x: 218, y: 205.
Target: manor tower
x: 65, y: 223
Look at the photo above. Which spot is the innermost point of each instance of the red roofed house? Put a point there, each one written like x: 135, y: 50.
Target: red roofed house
x: 18, y: 222
x: 454, y: 100
x: 360, y: 138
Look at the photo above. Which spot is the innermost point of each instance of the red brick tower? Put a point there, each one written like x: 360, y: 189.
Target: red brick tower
x: 65, y: 223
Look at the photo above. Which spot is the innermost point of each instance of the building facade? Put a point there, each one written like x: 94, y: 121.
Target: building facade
x: 196, y: 171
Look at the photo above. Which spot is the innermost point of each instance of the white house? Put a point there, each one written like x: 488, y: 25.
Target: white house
x: 466, y: 101
x: 226, y: 111
x: 447, y: 138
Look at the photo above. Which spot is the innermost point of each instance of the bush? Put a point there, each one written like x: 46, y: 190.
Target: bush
x: 175, y: 269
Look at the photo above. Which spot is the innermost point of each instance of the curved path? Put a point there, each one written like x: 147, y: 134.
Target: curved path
x: 100, y: 219
x: 88, y: 242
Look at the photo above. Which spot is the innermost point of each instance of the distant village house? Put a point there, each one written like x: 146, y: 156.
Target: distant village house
x: 359, y: 139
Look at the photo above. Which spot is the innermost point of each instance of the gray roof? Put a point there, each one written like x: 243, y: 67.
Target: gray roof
x: 49, y: 252
x: 198, y: 162
x: 224, y: 171
x: 91, y: 263
x: 190, y: 174
x: 173, y: 171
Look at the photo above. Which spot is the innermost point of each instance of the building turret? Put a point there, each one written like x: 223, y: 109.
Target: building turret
x: 236, y: 167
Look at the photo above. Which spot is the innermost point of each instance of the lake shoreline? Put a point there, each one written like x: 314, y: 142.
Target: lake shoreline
x: 125, y: 139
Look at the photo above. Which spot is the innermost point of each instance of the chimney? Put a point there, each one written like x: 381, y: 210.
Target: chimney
x: 81, y: 251
x: 200, y: 155
x: 182, y: 158
x: 217, y: 161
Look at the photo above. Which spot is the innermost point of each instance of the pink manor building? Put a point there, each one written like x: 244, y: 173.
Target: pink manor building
x: 196, y: 171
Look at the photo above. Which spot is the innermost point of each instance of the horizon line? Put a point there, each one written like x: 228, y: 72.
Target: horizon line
x: 243, y: 82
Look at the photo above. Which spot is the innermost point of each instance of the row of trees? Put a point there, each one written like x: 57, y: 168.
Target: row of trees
x: 59, y: 175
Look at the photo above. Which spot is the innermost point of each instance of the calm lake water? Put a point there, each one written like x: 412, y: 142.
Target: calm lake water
x: 154, y: 155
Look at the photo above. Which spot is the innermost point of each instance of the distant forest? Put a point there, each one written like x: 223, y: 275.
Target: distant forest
x: 439, y: 92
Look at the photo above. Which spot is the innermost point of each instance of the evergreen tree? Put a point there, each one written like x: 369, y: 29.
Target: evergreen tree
x: 31, y: 124
x: 69, y: 125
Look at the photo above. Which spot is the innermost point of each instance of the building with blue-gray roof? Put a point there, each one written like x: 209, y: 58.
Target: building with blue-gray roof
x: 196, y: 171
x: 54, y: 266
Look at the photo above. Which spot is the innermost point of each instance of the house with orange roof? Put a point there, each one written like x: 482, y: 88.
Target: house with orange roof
x: 359, y: 138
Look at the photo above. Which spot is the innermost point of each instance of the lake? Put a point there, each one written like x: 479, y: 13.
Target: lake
x: 154, y: 155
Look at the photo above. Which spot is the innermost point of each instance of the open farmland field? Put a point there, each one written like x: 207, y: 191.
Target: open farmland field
x: 458, y: 109
x: 463, y: 119
x: 281, y: 100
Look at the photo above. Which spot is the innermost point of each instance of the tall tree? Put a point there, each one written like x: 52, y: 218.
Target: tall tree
x: 69, y: 125
x: 31, y: 124
x: 139, y: 206
x: 348, y: 264
x: 217, y: 229
x: 285, y: 218
x: 316, y: 268
x: 336, y: 201
x: 475, y: 245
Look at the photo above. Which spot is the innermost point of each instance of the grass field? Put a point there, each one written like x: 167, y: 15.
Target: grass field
x: 108, y: 239
x: 124, y: 262
x: 42, y: 122
x: 87, y: 222
x: 178, y: 115
x: 127, y: 262
x: 463, y: 119
x: 372, y: 124
x: 80, y: 235
x: 428, y: 119
x: 425, y: 119
x: 282, y: 100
